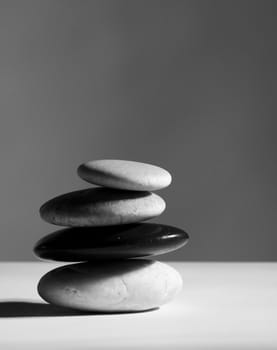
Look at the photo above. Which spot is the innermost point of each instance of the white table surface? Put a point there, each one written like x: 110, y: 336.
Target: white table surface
x: 222, y: 306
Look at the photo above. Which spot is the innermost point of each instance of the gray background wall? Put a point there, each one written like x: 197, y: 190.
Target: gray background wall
x: 188, y: 85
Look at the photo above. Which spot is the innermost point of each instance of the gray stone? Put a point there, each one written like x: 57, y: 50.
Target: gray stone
x: 101, y: 207
x: 118, y: 286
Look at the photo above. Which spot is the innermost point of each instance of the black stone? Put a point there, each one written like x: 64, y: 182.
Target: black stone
x: 110, y: 242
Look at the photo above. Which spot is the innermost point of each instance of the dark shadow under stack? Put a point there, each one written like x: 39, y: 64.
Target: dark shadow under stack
x: 106, y: 236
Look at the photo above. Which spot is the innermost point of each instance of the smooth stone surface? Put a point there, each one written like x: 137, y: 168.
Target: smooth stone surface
x: 101, y: 207
x: 112, y: 242
x: 113, y: 286
x: 125, y: 175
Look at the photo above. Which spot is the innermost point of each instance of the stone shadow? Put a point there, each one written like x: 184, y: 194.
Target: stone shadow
x: 16, y: 308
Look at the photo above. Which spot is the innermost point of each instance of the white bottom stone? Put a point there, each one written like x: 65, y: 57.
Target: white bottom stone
x: 111, y: 286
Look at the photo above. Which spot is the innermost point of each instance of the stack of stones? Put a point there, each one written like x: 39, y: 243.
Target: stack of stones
x: 106, y: 236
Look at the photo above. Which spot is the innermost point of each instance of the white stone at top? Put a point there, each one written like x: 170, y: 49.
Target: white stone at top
x: 125, y: 175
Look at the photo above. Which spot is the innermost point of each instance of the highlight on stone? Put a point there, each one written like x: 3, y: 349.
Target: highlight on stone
x: 106, y: 234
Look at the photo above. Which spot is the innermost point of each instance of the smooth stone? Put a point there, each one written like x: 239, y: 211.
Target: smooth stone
x: 101, y: 207
x: 125, y: 175
x: 111, y: 242
x: 112, y: 286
